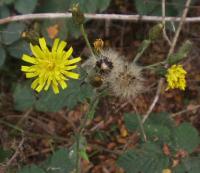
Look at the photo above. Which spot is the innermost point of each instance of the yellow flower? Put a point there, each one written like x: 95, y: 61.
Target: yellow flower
x: 166, y: 171
x: 50, y: 67
x: 176, y: 77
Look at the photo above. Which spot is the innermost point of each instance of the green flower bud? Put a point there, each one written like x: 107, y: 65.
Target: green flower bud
x: 77, y: 14
x: 156, y: 31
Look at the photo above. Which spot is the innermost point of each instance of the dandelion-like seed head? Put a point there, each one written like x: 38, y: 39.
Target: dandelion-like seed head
x: 176, y: 77
x: 126, y: 81
x: 50, y: 67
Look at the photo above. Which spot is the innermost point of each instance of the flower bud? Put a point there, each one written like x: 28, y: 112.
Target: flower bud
x: 77, y: 14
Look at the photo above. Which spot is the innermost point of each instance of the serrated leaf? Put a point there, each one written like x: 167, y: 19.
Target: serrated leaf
x: 19, y: 48
x: 70, y: 97
x: 25, y: 6
x: 2, y: 56
x: 12, y: 33
x: 190, y: 165
x: 131, y: 121
x: 60, y: 162
x: 23, y: 97
x: 31, y: 169
x: 149, y: 158
x: 186, y: 137
x: 157, y: 126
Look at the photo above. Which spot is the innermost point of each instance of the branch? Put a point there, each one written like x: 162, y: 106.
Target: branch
x: 120, y: 17
x: 171, y: 51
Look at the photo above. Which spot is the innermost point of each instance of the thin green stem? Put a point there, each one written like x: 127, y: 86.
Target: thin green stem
x: 142, y: 128
x: 80, y: 132
x: 154, y: 65
x: 86, y: 38
x: 145, y: 44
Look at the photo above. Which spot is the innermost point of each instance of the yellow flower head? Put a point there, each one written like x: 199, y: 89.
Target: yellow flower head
x: 50, y: 67
x: 176, y: 77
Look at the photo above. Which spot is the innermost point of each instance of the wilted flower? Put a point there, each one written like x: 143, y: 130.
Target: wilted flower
x: 123, y: 79
x: 176, y: 77
x: 98, y: 44
x: 50, y: 67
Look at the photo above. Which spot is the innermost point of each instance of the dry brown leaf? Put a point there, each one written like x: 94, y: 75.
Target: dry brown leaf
x: 53, y: 31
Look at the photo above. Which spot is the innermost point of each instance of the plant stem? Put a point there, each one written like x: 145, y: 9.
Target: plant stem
x: 86, y: 39
x: 145, y: 44
x: 80, y: 132
x: 142, y: 128
x: 154, y: 65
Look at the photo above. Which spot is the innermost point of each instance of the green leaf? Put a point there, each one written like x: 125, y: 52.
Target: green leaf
x: 67, y: 28
x: 31, y: 169
x: 2, y: 56
x: 182, y: 53
x: 19, y: 48
x: 149, y: 7
x: 70, y: 97
x: 131, y: 121
x: 25, y: 6
x: 60, y: 162
x: 95, y: 5
x: 190, y: 165
x: 23, y: 97
x: 4, y: 11
x: 158, y: 126
x: 149, y: 158
x: 4, y: 154
x: 12, y: 33
x: 47, y: 6
x: 186, y: 137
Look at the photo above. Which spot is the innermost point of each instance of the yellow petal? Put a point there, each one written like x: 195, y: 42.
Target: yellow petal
x: 55, y: 87
x: 27, y: 69
x: 48, y: 84
x: 29, y: 59
x: 70, y: 67
x: 61, y: 46
x: 55, y: 45
x: 68, y: 53
x: 73, y: 61
x: 35, y: 83
x: 40, y: 87
x: 30, y: 75
x: 37, y: 52
x: 63, y: 84
x: 72, y: 75
x: 43, y: 44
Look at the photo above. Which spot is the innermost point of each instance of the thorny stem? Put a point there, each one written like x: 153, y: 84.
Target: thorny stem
x: 86, y: 39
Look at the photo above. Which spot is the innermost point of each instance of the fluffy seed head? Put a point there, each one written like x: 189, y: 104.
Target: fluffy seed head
x: 126, y: 81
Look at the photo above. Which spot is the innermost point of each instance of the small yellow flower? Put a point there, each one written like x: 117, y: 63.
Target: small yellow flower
x: 50, y: 67
x: 166, y: 171
x: 176, y: 77
x: 98, y: 44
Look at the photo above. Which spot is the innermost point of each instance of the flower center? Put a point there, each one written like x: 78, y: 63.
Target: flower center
x: 50, y: 65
